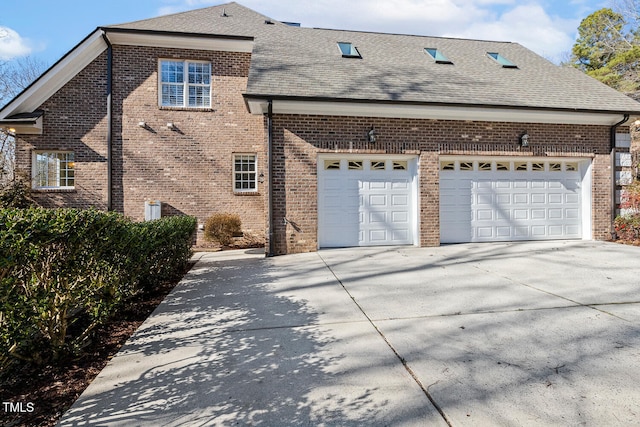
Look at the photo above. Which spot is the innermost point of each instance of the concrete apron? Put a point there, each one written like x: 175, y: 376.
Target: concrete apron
x: 491, y: 334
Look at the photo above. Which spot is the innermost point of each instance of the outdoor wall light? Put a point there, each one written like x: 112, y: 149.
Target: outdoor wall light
x: 524, y: 139
x: 261, y: 178
x: 372, y: 136
x: 142, y: 124
x: 170, y: 125
x: 12, y: 131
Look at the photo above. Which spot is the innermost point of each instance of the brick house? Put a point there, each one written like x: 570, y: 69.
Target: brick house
x: 324, y: 138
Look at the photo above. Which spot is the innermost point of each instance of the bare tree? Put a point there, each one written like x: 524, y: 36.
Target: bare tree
x: 630, y: 9
x: 14, y: 77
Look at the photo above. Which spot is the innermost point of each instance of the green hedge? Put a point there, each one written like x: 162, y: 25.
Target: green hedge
x: 65, y: 271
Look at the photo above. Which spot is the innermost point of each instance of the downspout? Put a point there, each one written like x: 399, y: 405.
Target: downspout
x: 271, y: 249
x: 109, y: 121
x: 614, y: 211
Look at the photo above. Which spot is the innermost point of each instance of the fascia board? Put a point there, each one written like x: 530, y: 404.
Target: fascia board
x: 57, y: 76
x: 434, y: 112
x: 180, y: 41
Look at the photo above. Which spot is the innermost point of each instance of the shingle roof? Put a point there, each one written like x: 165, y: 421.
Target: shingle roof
x: 396, y: 68
x: 227, y: 19
x: 305, y: 62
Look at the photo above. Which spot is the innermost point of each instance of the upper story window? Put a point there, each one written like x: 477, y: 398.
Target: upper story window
x: 53, y: 170
x: 185, y: 84
x: 348, y: 50
x: 438, y: 56
x: 502, y: 60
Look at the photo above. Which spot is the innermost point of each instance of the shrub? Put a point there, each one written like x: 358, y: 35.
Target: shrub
x: 63, y: 272
x: 222, y: 227
x: 165, y: 248
x: 16, y: 193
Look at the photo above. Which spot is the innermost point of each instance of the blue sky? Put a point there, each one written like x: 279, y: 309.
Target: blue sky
x: 47, y: 29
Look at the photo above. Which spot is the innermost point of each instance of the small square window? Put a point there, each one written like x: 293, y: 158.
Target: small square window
x: 501, y: 60
x: 503, y: 166
x: 348, y: 50
x: 53, y: 170
x: 521, y: 166
x: 571, y: 167
x: 356, y: 165
x: 555, y: 167
x: 332, y: 165
x: 447, y: 166
x: 438, y: 56
x: 400, y: 165
x: 466, y: 166
x: 245, y: 177
x: 537, y: 167
x: 377, y: 166
x: 484, y: 166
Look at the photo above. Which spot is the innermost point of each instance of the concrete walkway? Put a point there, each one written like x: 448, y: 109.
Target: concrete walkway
x: 491, y: 334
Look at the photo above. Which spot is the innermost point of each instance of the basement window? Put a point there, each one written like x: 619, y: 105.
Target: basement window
x: 348, y: 50
x: 438, y: 56
x: 501, y: 60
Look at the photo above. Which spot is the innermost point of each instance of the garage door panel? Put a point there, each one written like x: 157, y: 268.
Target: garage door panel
x: 367, y: 205
x: 400, y: 217
x: 528, y: 202
x: 377, y: 200
x: 539, y: 198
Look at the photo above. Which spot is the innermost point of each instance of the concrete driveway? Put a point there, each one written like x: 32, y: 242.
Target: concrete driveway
x: 467, y: 335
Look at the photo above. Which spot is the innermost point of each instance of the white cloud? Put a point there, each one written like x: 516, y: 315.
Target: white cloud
x: 529, y: 25
x: 12, y: 45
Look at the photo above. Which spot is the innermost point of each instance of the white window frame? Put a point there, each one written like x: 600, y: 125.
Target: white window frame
x: 252, y: 175
x: 186, y: 84
x: 35, y: 170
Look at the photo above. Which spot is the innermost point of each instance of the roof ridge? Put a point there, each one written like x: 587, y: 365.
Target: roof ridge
x: 192, y: 11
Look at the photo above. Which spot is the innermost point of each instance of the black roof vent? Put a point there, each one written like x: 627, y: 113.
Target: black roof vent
x: 269, y: 22
x: 224, y: 13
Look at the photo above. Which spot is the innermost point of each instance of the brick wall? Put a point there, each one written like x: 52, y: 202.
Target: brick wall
x: 299, y: 139
x: 75, y: 120
x: 188, y: 168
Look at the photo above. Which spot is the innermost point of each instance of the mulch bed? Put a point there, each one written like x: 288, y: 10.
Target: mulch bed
x: 47, y: 392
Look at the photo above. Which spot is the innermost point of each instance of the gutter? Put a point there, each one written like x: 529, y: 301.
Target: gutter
x: 109, y: 121
x: 612, y: 141
x: 271, y: 249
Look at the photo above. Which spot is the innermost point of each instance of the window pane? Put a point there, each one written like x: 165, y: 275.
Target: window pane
x: 198, y: 96
x: 172, y: 95
x: 172, y: 72
x: 199, y: 73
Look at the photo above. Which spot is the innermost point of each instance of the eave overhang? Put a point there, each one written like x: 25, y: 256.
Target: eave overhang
x: 179, y: 40
x: 258, y: 104
x: 26, y: 124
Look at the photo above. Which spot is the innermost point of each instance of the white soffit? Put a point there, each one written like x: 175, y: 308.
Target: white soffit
x: 178, y: 41
x: 433, y: 112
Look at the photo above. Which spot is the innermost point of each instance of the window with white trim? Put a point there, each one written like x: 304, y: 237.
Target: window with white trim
x: 53, y: 170
x: 245, y: 176
x: 184, y: 84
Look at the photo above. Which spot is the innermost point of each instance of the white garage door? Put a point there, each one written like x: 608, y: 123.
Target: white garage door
x: 483, y: 200
x: 366, y: 201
